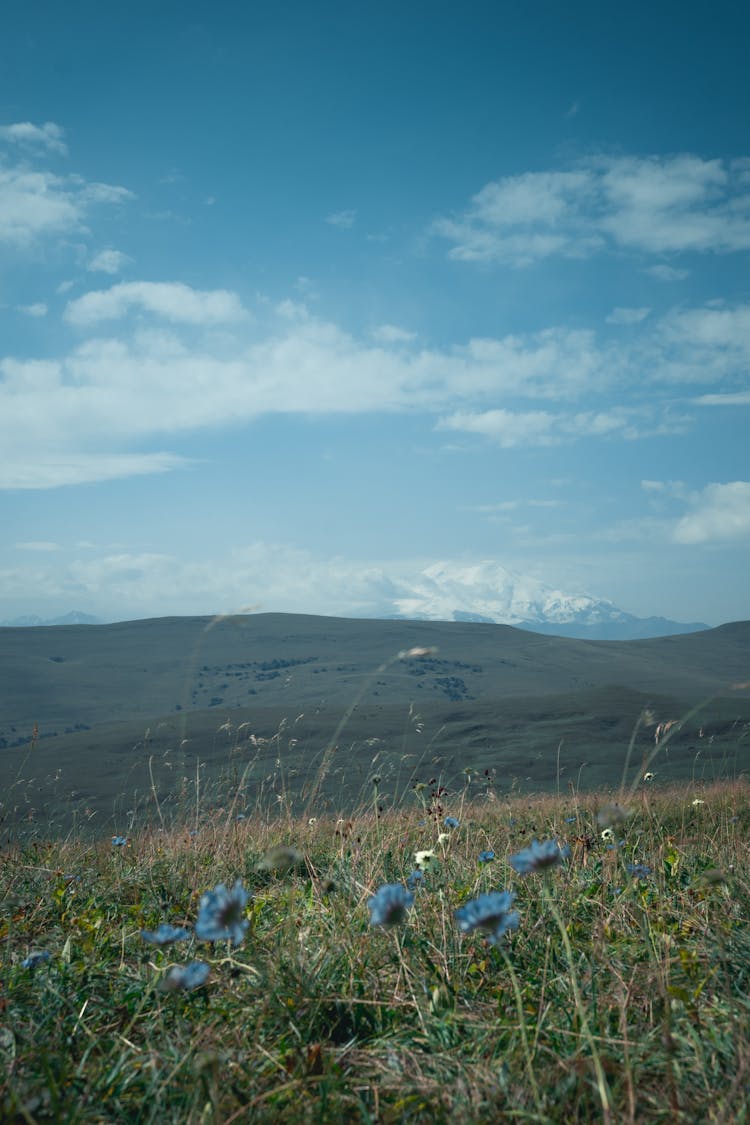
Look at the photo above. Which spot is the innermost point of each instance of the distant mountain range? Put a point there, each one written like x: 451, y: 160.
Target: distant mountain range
x: 75, y: 617
x: 482, y: 592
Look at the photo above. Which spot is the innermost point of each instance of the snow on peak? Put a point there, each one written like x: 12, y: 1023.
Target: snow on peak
x: 447, y: 591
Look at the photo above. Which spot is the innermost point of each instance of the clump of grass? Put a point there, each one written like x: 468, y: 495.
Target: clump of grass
x: 617, y: 987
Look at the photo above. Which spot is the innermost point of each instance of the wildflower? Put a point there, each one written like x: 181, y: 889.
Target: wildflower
x: 425, y: 859
x: 649, y: 776
x: 415, y: 880
x: 388, y: 906
x: 221, y: 914
x: 486, y: 857
x: 443, y: 837
x: 165, y: 934
x: 188, y: 977
x: 38, y: 957
x: 119, y: 841
x: 571, y: 819
x: 490, y: 913
x: 451, y: 822
x: 281, y: 858
x: 312, y: 820
x: 608, y: 834
x: 639, y: 870
x: 538, y: 857
x: 697, y: 802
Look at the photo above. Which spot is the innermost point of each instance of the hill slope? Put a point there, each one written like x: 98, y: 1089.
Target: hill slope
x: 196, y: 694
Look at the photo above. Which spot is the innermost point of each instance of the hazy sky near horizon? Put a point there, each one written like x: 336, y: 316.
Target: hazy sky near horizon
x: 297, y: 299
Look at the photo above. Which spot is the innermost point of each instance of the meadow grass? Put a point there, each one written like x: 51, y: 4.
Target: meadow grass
x: 620, y: 997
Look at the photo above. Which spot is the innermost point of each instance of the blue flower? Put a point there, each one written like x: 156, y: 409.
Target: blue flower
x: 415, y: 879
x: 189, y: 976
x: 571, y: 819
x: 36, y: 958
x: 538, y: 857
x: 486, y: 857
x: 639, y: 870
x: 389, y: 904
x: 165, y: 934
x: 450, y: 822
x: 490, y: 913
x: 221, y: 914
x: 119, y: 841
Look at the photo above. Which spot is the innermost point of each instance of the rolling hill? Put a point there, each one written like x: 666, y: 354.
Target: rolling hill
x: 174, y: 704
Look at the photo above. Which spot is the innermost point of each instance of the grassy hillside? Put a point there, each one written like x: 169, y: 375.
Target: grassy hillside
x: 130, y: 712
x: 609, y: 986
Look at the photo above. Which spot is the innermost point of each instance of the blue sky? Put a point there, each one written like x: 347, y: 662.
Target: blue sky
x: 298, y: 299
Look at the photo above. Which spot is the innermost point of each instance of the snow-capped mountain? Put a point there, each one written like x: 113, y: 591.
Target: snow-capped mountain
x: 488, y: 592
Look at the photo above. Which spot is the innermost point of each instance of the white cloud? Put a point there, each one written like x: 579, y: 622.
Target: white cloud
x: 668, y: 487
x: 171, y: 300
x: 47, y: 136
x: 655, y: 204
x: 392, y: 334
x: 112, y: 392
x: 509, y: 428
x: 263, y: 576
x: 512, y: 429
x: 44, y: 546
x: 738, y: 398
x: 38, y: 309
x: 54, y: 468
x: 90, y: 411
x: 720, y: 513
x: 38, y: 204
x: 108, y: 261
x: 342, y: 219
x: 627, y: 316
x: 667, y: 273
x: 701, y: 345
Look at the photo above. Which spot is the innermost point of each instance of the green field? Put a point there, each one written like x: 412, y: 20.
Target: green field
x: 622, y: 996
